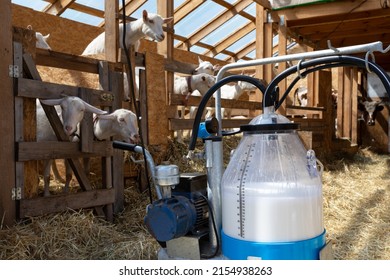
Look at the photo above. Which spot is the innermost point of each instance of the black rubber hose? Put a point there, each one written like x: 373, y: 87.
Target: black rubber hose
x: 124, y: 146
x: 303, y: 75
x: 350, y: 60
x: 209, y: 94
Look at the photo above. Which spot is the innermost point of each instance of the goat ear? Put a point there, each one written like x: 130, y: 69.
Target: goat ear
x: 93, y: 109
x: 51, y: 102
x: 167, y: 20
x: 106, y: 117
x: 144, y: 15
x: 216, y: 67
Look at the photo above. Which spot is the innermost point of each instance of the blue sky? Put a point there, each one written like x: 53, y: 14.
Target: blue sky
x: 187, y: 26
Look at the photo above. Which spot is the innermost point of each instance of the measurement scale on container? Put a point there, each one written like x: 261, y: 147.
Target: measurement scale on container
x: 241, y: 190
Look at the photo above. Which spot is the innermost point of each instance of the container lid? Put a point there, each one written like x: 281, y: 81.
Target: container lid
x: 269, y: 121
x: 253, y: 128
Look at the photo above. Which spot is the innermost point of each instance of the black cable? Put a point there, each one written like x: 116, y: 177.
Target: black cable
x: 209, y: 94
x: 214, y: 228
x: 132, y: 91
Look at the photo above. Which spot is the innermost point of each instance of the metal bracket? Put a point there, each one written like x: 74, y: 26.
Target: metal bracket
x: 16, y: 193
x: 13, y: 71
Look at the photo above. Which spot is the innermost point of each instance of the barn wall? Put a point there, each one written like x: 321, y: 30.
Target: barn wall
x: 65, y: 35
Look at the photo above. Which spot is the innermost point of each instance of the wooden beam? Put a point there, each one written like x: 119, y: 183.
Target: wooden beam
x: 207, y: 46
x: 336, y: 18
x: 180, y: 124
x: 265, y: 3
x: 111, y: 30
x: 245, y: 50
x: 230, y: 6
x: 26, y: 151
x: 38, y: 89
x: 87, y: 10
x: 215, y: 23
x: 231, y: 39
x: 329, y: 8
x: 186, y: 8
x: 59, y: 203
x: 58, y: 7
x: 7, y: 127
x: 176, y: 99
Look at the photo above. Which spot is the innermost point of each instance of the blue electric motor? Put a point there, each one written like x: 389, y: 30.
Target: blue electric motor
x: 185, y: 212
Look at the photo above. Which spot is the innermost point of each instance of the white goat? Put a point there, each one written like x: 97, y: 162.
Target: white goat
x: 41, y: 40
x: 200, y: 83
x: 71, y: 111
x: 186, y: 85
x: 121, y: 123
x: 149, y: 26
x: 206, y: 67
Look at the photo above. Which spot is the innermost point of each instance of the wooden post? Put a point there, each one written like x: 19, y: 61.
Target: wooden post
x: 118, y: 155
x: 347, y: 103
x: 325, y: 88
x: 7, y: 128
x: 158, y: 123
x: 25, y: 120
x: 354, y: 106
x: 165, y: 48
x: 340, y: 101
x: 111, y: 29
x: 263, y: 50
x: 282, y: 49
x: 104, y: 82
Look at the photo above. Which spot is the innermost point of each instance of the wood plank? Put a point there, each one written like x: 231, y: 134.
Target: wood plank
x: 181, y: 124
x: 331, y: 8
x: 38, y: 89
x: 176, y: 99
x: 26, y: 151
x: 67, y: 61
x: 59, y: 203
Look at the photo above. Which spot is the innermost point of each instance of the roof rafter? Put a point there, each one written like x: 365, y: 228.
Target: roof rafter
x: 185, y: 8
x: 58, y: 7
x: 232, y: 38
x: 215, y: 23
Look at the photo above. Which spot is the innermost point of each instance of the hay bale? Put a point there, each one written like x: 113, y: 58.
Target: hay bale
x: 356, y: 214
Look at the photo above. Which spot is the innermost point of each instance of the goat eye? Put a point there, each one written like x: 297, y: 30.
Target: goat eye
x: 151, y: 21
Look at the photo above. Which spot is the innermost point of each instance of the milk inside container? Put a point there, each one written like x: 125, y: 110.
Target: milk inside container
x: 272, y: 195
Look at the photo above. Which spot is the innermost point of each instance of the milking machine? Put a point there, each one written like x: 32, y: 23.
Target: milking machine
x: 268, y: 202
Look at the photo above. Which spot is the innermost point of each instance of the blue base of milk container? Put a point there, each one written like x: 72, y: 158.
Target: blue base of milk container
x: 308, y: 249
